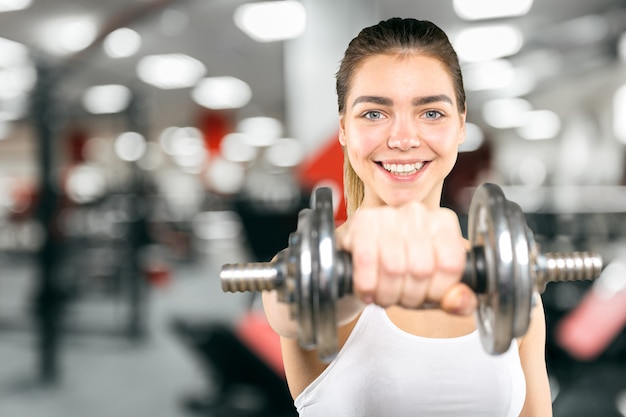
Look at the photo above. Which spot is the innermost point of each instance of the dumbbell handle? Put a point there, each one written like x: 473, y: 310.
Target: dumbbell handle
x: 549, y: 267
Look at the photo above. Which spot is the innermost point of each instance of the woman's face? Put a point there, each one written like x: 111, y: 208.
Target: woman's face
x: 401, y: 128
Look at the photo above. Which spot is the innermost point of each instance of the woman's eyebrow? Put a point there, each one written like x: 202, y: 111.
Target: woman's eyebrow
x: 420, y: 101
x: 383, y: 101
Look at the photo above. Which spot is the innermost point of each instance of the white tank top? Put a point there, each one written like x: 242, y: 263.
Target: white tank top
x: 384, y: 371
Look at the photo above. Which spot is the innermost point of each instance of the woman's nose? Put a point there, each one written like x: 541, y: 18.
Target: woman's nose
x: 404, y: 135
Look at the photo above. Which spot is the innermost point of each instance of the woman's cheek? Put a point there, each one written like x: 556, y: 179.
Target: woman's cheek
x: 442, y: 139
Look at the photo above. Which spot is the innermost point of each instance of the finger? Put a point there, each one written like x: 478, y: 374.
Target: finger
x: 359, y: 242
x: 460, y: 300
x: 392, y: 247
x: 449, y: 253
x: 420, y: 259
x: 390, y: 285
x: 413, y: 292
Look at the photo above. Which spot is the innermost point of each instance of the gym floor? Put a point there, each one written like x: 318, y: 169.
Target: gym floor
x: 99, y: 375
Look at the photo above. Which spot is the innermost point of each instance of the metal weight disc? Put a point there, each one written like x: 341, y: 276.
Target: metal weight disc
x: 325, y: 282
x: 489, y: 228
x: 304, y: 288
x: 523, y: 244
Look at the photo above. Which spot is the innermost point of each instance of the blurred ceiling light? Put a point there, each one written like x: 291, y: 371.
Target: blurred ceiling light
x: 186, y: 147
x: 488, y: 75
x: 170, y: 71
x: 106, y: 99
x: 85, y: 184
x: 122, y: 43
x: 68, y: 35
x: 490, y: 9
x: 166, y: 139
x: 619, y: 110
x: 237, y: 147
x: 225, y: 177
x: 506, y: 113
x: 13, y: 5
x: 485, y: 43
x: 222, y: 93
x: 17, y: 72
x: 540, y: 124
x: 191, y: 162
x: 474, y: 138
x: 16, y: 81
x: 13, y: 53
x: 272, y: 20
x: 130, y: 146
x: 261, y: 131
x: 285, y: 153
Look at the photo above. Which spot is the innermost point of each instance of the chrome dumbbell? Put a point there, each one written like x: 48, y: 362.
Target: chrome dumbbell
x: 504, y: 268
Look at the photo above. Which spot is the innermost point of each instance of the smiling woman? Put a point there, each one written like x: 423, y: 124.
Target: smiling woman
x: 402, y: 119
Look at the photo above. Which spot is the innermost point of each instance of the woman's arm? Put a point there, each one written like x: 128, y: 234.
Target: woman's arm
x: 277, y: 313
x: 532, y: 354
x: 303, y: 366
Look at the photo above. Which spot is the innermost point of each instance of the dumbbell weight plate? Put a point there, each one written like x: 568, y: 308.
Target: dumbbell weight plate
x: 524, y: 253
x: 489, y: 229
x: 325, y: 283
x: 303, y: 252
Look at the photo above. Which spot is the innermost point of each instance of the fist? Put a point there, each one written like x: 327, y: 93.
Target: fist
x: 408, y: 256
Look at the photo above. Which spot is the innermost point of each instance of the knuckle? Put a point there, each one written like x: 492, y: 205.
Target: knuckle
x: 422, y: 269
x: 392, y: 269
x: 446, y: 219
x: 362, y: 287
x: 422, y: 273
x: 413, y: 295
x: 363, y: 258
x: 452, y: 263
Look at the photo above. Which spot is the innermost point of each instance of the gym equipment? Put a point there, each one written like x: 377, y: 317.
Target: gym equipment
x: 504, y: 268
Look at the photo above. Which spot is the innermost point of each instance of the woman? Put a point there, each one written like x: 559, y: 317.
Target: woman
x: 402, y: 117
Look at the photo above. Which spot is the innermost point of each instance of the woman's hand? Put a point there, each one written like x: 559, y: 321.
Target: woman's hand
x: 408, y: 256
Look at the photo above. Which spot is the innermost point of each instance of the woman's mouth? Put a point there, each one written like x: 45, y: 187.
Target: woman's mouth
x: 403, y: 169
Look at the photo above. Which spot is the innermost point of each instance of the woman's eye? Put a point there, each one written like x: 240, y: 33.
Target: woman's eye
x: 373, y: 115
x: 432, y: 114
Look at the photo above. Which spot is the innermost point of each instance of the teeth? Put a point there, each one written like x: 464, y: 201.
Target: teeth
x: 403, y: 169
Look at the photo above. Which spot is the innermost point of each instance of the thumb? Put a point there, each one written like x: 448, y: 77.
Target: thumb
x: 459, y: 300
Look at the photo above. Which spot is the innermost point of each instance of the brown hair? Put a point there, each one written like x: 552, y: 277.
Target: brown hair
x: 392, y: 36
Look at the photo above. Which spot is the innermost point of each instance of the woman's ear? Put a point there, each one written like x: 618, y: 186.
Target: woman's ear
x: 342, y: 131
x: 463, y: 130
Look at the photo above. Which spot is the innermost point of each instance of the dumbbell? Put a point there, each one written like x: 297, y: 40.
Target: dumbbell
x: 504, y: 268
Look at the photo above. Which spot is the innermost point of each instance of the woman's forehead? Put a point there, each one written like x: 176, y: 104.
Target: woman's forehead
x: 413, y: 60
x: 402, y: 72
